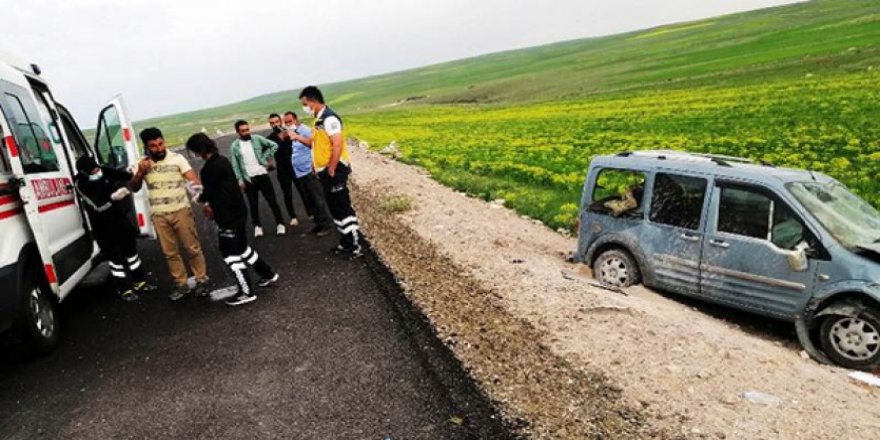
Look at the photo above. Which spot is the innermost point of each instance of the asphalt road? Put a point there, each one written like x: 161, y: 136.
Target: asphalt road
x: 332, y: 352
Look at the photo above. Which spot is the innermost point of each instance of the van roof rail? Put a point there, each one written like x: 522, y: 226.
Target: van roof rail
x: 719, y: 159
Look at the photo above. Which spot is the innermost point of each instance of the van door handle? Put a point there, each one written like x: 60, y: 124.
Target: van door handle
x: 690, y: 237
x: 719, y: 243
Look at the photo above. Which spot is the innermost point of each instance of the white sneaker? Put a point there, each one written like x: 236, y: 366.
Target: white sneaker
x: 258, y: 232
x: 280, y: 230
x: 294, y: 222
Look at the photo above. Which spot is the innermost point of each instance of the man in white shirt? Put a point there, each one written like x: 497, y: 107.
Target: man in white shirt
x: 251, y: 160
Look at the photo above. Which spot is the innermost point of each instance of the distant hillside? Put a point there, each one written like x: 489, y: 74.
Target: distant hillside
x: 817, y: 37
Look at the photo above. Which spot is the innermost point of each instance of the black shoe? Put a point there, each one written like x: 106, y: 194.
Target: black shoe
x: 129, y: 296
x: 349, y: 253
x: 266, y: 282
x: 202, y: 289
x: 240, y: 299
x: 338, y: 249
x: 321, y: 231
x: 144, y: 286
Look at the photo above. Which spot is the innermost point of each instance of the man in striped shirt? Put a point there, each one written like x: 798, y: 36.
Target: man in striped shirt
x: 167, y: 175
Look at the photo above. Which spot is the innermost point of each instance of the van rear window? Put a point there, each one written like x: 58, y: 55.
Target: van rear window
x: 618, y: 192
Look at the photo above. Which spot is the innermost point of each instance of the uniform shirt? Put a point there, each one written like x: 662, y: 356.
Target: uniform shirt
x: 166, y: 183
x: 107, y: 216
x: 249, y: 156
x: 222, y: 192
x: 327, y: 123
x: 302, y: 154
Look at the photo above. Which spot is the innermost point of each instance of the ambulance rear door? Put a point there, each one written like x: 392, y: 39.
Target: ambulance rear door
x: 45, y: 186
x: 116, y: 147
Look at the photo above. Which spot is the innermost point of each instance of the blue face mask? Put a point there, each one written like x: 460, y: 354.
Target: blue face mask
x: 96, y: 177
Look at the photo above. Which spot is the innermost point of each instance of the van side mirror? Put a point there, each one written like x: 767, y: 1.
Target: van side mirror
x: 797, y: 258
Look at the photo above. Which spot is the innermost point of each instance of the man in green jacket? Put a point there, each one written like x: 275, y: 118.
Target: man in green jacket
x: 252, y: 160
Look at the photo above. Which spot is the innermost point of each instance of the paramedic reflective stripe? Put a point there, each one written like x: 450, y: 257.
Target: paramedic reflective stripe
x: 250, y: 256
x: 349, y: 229
x: 134, y: 262
x: 92, y: 204
x: 342, y: 223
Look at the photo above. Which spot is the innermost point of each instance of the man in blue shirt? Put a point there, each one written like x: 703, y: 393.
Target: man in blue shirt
x: 306, y: 182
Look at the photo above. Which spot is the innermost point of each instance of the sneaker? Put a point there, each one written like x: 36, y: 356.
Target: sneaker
x: 144, y: 286
x: 280, y: 229
x: 266, y: 282
x: 129, y: 296
x: 202, y: 289
x: 338, y: 249
x: 294, y: 222
x: 258, y: 231
x: 240, y: 299
x: 178, y: 293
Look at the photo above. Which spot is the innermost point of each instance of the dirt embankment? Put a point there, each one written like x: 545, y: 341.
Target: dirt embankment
x: 575, y: 361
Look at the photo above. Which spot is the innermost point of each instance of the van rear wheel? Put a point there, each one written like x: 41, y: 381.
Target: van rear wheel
x: 38, y: 314
x: 616, y: 267
x: 853, y: 341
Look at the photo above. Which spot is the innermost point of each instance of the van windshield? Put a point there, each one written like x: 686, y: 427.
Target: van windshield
x: 851, y: 220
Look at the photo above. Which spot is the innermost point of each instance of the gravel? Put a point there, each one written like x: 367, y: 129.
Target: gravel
x: 569, y: 360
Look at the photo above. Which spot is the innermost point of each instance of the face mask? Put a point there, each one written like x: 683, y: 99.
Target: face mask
x: 158, y: 156
x: 96, y: 177
x: 308, y: 110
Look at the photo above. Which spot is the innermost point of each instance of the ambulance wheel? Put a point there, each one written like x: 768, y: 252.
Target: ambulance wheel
x: 38, y: 314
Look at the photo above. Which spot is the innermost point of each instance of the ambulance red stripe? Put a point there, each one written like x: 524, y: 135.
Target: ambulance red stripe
x: 11, y: 213
x: 54, y: 206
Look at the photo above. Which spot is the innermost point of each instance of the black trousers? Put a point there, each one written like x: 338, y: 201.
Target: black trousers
x: 312, y: 193
x: 339, y: 202
x: 253, y: 189
x: 286, y: 182
x: 238, y: 256
x: 120, y: 247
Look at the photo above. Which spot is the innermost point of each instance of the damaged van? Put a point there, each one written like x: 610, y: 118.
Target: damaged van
x: 788, y: 244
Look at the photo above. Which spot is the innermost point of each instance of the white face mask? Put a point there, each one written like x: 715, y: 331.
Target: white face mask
x: 96, y: 177
x: 308, y: 110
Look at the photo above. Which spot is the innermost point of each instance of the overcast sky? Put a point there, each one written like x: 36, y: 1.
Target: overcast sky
x: 167, y: 56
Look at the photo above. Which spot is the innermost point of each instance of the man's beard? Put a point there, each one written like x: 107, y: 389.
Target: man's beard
x: 158, y: 156
x: 246, y: 138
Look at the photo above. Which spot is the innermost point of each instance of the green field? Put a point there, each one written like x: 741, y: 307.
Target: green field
x: 796, y: 85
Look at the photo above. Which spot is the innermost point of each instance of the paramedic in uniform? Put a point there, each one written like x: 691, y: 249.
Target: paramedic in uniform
x: 170, y: 178
x: 333, y: 166
x: 224, y: 204
x: 103, y: 192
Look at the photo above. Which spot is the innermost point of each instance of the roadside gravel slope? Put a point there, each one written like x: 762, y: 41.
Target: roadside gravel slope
x: 679, y: 371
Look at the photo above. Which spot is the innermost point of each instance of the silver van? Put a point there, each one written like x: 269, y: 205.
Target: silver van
x: 788, y: 244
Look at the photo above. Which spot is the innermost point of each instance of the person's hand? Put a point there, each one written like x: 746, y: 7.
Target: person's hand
x: 144, y: 165
x: 120, y: 194
x: 270, y: 165
x: 241, y: 185
x: 285, y: 135
x: 209, y: 212
x: 331, y: 171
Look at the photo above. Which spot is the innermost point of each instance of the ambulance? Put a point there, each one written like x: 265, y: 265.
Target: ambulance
x: 46, y: 249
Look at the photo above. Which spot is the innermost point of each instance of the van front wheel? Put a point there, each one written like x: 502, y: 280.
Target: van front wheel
x: 853, y: 341
x: 617, y: 268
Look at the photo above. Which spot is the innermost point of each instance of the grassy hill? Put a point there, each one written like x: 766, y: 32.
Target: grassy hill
x: 798, y: 85
x: 818, y: 37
